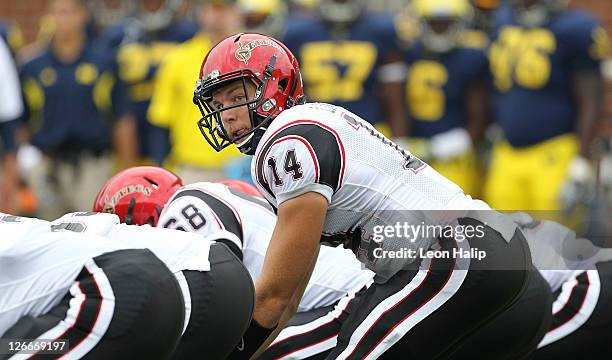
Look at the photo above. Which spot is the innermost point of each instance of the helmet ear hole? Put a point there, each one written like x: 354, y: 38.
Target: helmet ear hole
x: 283, y: 84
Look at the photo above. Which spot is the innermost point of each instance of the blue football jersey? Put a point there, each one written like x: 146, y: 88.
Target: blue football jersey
x: 138, y: 59
x: 343, y: 70
x: 532, y: 73
x: 437, y: 86
x: 67, y: 102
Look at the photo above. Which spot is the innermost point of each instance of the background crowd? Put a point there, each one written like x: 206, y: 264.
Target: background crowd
x: 512, y: 100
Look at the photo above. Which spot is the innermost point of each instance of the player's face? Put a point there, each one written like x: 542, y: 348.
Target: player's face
x: 69, y: 16
x: 237, y: 120
x: 440, y: 26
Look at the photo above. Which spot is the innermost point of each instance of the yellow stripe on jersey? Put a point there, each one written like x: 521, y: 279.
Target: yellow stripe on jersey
x: 102, y: 91
x: 172, y: 107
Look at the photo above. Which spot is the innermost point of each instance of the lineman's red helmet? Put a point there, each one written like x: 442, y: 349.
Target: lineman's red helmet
x: 241, y: 186
x: 137, y: 195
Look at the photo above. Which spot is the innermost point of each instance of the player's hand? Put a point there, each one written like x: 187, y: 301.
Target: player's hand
x: 578, y: 184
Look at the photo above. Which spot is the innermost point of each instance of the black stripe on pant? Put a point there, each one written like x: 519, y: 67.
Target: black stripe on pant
x: 376, y: 294
x: 592, y: 339
x: 88, y: 313
x: 471, y: 321
x: 312, y: 336
x: 574, y: 303
x: 147, y: 310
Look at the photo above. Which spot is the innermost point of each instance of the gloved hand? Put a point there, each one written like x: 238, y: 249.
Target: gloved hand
x: 578, y: 184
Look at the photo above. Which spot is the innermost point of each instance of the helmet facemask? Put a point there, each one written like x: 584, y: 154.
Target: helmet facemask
x: 261, y: 109
x: 441, y: 35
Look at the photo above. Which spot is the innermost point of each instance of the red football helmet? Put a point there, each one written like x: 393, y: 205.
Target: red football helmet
x: 259, y: 58
x: 137, y: 195
x: 242, y: 186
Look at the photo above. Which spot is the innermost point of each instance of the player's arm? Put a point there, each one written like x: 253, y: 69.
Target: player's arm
x: 301, y: 168
x: 588, y: 90
x: 292, y: 249
x: 125, y: 129
x: 590, y: 44
x: 392, y: 78
x: 477, y: 101
x: 291, y: 309
x: 287, y: 268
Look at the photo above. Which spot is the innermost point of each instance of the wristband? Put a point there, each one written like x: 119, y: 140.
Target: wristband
x: 251, y: 340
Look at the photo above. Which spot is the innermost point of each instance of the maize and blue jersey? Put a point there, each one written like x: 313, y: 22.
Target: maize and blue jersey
x: 343, y: 70
x: 138, y: 59
x: 533, y: 70
x: 67, y: 101
x: 437, y: 86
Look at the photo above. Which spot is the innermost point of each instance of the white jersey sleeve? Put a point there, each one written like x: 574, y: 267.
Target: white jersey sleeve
x: 305, y: 156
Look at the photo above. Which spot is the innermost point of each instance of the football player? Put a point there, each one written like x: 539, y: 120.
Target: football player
x: 98, y: 297
x: 216, y: 288
x: 207, y: 208
x: 350, y: 57
x: 580, y: 277
x: 332, y: 177
x: 545, y: 61
x: 446, y: 90
x: 140, y: 43
x: 67, y: 86
x: 189, y: 157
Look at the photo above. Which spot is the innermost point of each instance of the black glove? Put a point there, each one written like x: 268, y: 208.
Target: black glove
x: 252, y: 339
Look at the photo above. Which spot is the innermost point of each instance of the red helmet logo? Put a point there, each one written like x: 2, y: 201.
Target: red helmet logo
x: 137, y: 195
x: 258, y: 58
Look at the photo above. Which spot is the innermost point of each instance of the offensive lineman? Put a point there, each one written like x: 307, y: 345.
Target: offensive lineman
x: 332, y: 177
x: 216, y: 289
x: 106, y: 299
x: 580, y: 277
x: 208, y: 208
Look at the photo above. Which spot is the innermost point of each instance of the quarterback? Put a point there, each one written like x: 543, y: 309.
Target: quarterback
x: 211, y: 209
x: 331, y: 177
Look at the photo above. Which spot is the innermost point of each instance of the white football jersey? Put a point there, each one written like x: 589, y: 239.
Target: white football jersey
x: 555, y: 250
x: 206, y: 208
x: 367, y: 180
x: 178, y: 250
x: 39, y: 260
x: 38, y: 265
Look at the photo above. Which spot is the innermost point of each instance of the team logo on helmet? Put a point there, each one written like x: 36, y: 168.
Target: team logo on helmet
x: 109, y: 204
x: 213, y: 74
x: 243, y: 53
